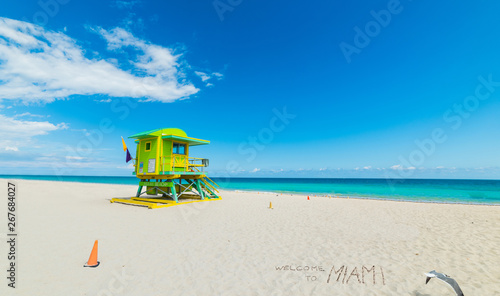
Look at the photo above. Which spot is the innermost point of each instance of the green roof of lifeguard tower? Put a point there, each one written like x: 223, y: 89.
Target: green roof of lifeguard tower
x: 170, y: 133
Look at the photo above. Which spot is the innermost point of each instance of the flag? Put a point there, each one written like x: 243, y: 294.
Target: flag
x: 129, y: 157
x: 124, y: 146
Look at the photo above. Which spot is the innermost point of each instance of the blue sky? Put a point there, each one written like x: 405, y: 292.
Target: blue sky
x: 324, y: 89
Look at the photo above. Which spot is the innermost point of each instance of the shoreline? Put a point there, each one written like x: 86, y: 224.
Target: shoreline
x: 291, y: 194
x: 364, y: 198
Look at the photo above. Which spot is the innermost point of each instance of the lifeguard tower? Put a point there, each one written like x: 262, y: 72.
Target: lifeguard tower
x: 167, y: 174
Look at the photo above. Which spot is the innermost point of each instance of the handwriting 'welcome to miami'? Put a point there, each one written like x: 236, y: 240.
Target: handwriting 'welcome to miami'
x: 363, y: 275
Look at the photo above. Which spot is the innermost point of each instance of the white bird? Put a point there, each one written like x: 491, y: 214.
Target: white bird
x: 445, y: 278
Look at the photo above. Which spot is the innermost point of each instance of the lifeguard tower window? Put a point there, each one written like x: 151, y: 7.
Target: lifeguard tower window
x: 179, y: 148
x: 148, y: 146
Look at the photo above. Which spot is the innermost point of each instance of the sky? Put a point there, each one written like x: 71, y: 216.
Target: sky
x: 341, y: 89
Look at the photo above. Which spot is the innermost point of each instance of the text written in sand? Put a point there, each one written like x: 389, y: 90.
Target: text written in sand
x: 344, y: 274
x: 363, y: 275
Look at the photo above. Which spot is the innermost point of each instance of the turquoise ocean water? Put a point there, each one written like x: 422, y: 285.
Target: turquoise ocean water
x: 427, y: 190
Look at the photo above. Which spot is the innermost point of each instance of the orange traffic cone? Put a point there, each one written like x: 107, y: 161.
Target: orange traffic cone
x: 308, y: 197
x: 93, y: 257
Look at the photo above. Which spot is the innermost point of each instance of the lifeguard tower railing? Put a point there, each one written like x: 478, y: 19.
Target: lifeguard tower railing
x: 190, y: 164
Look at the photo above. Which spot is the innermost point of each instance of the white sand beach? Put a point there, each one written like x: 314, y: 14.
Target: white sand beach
x: 238, y: 246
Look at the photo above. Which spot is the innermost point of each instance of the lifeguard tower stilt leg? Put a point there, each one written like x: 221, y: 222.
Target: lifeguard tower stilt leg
x: 174, y: 194
x: 198, y: 187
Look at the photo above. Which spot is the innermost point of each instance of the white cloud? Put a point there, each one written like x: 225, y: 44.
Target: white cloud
x: 15, y: 129
x: 18, y: 133
x: 219, y: 76
x: 40, y: 65
x: 202, y: 75
x: 8, y: 148
x: 74, y: 158
x: 124, y: 4
x: 103, y: 101
x: 57, y: 165
x: 367, y: 167
x: 400, y: 167
x: 128, y: 167
x: 83, y: 130
x: 29, y: 114
x: 254, y: 170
